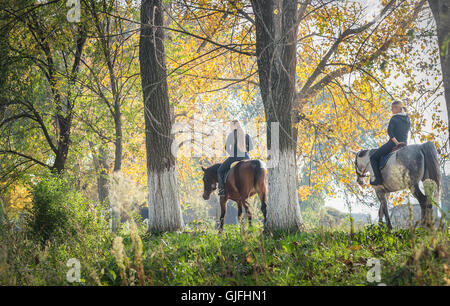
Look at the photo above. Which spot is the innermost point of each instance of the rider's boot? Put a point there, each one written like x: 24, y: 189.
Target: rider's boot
x: 378, y: 179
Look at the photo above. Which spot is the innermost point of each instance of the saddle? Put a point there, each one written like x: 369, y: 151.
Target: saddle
x: 398, y: 147
x: 385, y: 158
x: 229, y: 170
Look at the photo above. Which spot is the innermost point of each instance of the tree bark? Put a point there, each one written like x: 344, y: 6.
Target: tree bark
x: 100, y: 160
x: 105, y: 35
x: 64, y: 123
x: 164, y: 207
x: 118, y: 140
x: 441, y: 13
x: 276, y: 34
x: 65, y: 112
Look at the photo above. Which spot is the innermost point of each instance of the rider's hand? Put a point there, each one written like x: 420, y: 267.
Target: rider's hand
x: 395, y: 141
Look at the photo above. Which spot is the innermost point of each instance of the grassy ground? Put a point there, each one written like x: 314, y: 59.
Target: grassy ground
x: 245, y: 257
x: 238, y: 256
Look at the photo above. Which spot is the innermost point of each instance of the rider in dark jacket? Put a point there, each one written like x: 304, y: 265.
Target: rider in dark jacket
x: 235, y: 151
x: 398, y: 132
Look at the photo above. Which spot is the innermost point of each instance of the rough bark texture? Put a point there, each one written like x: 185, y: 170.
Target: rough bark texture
x: 4, y: 64
x: 65, y: 107
x: 118, y: 140
x: 276, y: 33
x: 101, y: 166
x: 164, y: 207
x: 106, y: 38
x: 445, y: 198
x: 64, y: 123
x: 441, y: 13
x: 2, y: 212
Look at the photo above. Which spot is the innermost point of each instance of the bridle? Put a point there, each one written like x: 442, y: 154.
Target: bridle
x: 358, y: 173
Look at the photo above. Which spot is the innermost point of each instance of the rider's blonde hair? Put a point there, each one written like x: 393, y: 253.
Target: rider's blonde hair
x: 236, y: 125
x: 400, y: 103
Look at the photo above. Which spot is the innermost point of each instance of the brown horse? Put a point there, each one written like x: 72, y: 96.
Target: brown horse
x: 245, y: 179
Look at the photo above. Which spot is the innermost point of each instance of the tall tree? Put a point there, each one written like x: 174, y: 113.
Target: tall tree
x: 276, y: 37
x: 164, y: 207
x: 113, y: 60
x: 43, y: 46
x: 441, y: 13
x: 111, y: 37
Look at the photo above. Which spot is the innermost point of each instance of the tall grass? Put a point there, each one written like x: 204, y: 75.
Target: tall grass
x: 241, y: 255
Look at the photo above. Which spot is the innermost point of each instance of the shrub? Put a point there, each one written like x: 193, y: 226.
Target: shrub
x: 58, y: 210
x: 61, y: 225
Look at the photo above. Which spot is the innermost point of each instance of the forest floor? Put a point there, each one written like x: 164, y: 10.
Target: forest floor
x: 241, y: 255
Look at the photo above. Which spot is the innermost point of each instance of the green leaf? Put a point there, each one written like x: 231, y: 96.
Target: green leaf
x: 113, y: 274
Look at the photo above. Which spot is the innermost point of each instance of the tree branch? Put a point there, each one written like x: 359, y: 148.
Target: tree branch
x: 25, y: 156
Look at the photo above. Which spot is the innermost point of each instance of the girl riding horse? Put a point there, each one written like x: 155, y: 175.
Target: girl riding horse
x: 244, y: 180
x: 237, y: 146
x: 398, y: 129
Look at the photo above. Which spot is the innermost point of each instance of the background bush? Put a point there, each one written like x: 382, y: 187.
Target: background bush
x: 57, y: 209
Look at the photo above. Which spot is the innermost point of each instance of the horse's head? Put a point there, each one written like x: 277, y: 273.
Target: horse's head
x: 362, y: 163
x: 209, y: 181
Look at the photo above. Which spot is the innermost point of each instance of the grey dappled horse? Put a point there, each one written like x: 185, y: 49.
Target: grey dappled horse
x: 404, y: 169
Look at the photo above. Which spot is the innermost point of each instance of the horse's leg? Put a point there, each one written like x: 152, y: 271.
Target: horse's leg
x: 261, y: 190
x: 247, y: 211
x: 428, y: 216
x: 383, y: 209
x: 239, y: 203
x: 223, y: 211
x: 380, y: 210
x: 386, y: 214
x: 423, y: 201
x: 262, y: 198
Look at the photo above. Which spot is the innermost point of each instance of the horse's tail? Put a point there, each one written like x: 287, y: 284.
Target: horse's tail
x: 431, y: 163
x: 258, y: 171
x: 237, y: 182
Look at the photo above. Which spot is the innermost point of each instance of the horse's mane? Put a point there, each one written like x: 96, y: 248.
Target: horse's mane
x: 213, y: 167
x: 364, y: 152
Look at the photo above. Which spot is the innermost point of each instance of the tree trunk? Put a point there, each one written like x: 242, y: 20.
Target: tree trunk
x: 118, y: 140
x: 117, y: 111
x: 65, y: 112
x: 441, y: 13
x: 276, y: 32
x: 2, y: 212
x: 100, y: 160
x: 164, y: 207
x: 107, y: 38
x: 64, y: 123
x: 4, y: 63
